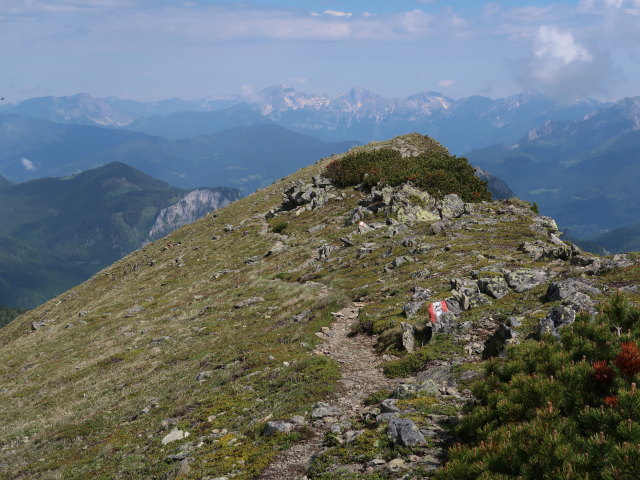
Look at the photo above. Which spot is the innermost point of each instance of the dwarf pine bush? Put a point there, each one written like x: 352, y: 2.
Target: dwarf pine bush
x: 558, y: 409
x: 437, y: 172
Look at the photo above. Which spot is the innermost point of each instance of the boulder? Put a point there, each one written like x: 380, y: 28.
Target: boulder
x: 525, y: 279
x: 411, y: 309
x: 421, y: 294
x: 557, y: 318
x: 404, y: 432
x: 321, y: 410
x: 567, y: 288
x: 495, y: 344
x: 408, y: 336
x: 494, y: 287
x: 451, y: 206
x: 277, y: 426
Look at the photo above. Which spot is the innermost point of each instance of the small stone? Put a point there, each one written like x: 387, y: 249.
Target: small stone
x: 278, y: 426
x: 202, y: 376
x: 395, y: 464
x: 322, y: 410
x: 389, y: 405
x: 174, y: 435
x: 248, y: 302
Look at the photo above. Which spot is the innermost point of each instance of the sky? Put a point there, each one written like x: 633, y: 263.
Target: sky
x: 154, y: 49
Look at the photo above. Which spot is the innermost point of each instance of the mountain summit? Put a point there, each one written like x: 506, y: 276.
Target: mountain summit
x: 307, y: 329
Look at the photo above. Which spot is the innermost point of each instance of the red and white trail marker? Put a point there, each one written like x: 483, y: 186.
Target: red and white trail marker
x: 436, y: 309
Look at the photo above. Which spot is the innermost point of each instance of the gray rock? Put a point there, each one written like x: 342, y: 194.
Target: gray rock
x: 325, y: 251
x: 411, y: 309
x: 564, y: 289
x: 174, y: 435
x: 525, y: 279
x: 404, y: 432
x: 248, y: 302
x: 276, y: 248
x: 302, y: 316
x: 277, y: 426
x: 451, y: 206
x: 38, y: 325
x: 408, y: 336
x: 228, y: 228
x: 386, y: 417
x: 399, y: 261
x: 389, y: 405
x: 428, y: 387
x: 357, y: 215
x: 347, y: 241
x: 558, y: 317
x: 202, y: 376
x: 340, y: 427
x: 352, y: 435
x: 494, y: 287
x: 321, y: 410
x: 539, y: 250
x: 222, y: 272
x: 495, y: 344
x: 447, y: 323
x: 421, y: 294
x: 438, y: 374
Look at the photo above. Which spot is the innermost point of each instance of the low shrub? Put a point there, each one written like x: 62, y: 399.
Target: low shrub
x: 565, y: 408
x: 437, y: 172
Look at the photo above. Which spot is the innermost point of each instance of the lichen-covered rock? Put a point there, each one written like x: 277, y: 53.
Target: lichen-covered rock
x: 525, y: 279
x: 405, y: 203
x: 495, y: 287
x: 538, y: 250
x: 451, y: 206
x: 564, y: 289
x: 495, y: 344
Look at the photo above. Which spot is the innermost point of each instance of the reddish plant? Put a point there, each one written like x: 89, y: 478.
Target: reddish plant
x: 628, y: 360
x: 611, y: 401
x: 603, y: 373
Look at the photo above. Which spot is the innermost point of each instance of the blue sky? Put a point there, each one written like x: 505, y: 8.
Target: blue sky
x: 153, y: 49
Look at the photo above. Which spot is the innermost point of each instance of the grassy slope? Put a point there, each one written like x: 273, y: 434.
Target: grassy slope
x: 73, y: 396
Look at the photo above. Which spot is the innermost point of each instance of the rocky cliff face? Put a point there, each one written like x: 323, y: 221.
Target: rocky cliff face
x: 196, y: 204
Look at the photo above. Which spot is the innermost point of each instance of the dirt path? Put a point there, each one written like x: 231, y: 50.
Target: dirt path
x: 361, y: 376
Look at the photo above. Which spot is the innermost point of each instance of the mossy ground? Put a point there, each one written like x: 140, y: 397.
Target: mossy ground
x: 74, y: 392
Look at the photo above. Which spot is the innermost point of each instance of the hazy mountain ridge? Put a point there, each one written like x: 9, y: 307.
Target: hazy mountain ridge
x: 59, y: 231
x: 242, y: 157
x: 582, y: 172
x: 357, y: 114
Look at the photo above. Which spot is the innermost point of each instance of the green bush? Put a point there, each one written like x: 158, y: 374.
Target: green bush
x: 280, y: 226
x: 558, y: 409
x: 437, y: 172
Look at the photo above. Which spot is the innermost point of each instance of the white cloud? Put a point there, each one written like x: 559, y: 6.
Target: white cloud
x: 338, y: 13
x: 560, y: 65
x: 446, y: 83
x: 553, y: 44
x: 28, y: 165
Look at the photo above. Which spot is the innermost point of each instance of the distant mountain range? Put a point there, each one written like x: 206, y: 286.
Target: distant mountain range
x: 244, y: 157
x: 57, y: 232
x: 584, y: 173
x: 358, y: 114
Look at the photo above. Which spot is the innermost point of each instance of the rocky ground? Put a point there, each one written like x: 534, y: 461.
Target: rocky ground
x: 289, y: 335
